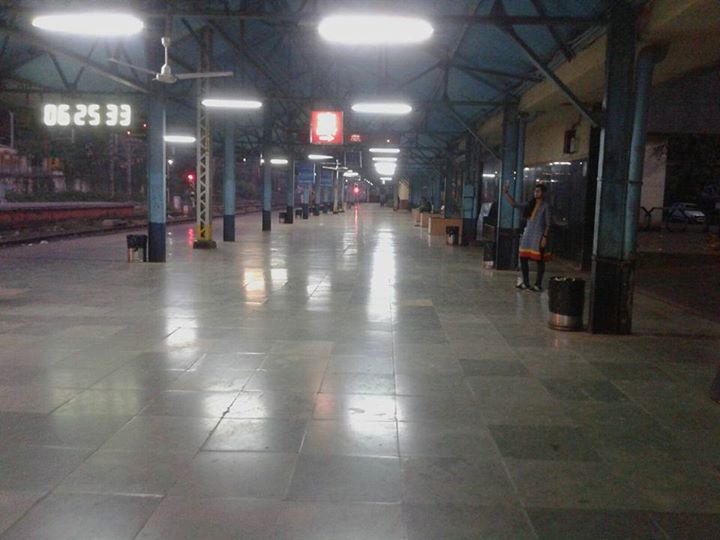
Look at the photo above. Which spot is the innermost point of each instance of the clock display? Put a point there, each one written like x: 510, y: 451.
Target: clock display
x: 87, y: 114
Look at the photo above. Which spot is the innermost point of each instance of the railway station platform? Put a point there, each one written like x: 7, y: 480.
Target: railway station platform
x: 344, y: 377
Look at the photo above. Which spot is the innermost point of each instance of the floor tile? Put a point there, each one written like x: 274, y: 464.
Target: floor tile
x: 447, y: 439
x: 272, y: 404
x: 257, y: 435
x: 126, y: 473
x: 455, y: 481
x: 346, y: 479
x: 162, y: 434
x: 354, y: 437
x: 189, y: 403
x: 463, y: 522
x: 71, y: 516
x: 326, y: 521
x: 237, y: 474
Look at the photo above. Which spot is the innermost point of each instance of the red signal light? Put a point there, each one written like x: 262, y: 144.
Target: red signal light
x: 356, y: 190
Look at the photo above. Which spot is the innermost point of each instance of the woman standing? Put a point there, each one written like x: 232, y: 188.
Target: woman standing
x: 534, y: 241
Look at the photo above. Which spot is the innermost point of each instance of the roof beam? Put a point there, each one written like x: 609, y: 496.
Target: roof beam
x: 567, y: 51
x: 471, y: 131
x: 545, y: 70
x: 496, y: 73
x: 37, y: 41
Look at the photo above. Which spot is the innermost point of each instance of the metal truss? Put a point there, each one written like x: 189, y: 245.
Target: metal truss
x: 203, y: 183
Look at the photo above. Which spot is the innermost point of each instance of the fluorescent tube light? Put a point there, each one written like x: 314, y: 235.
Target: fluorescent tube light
x: 220, y: 103
x: 278, y: 161
x: 384, y: 159
x: 180, y: 139
x: 94, y: 23
x: 382, y: 108
x: 374, y: 29
x: 384, y: 150
x: 319, y: 157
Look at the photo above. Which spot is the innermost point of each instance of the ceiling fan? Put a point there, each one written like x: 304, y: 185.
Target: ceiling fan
x: 165, y: 75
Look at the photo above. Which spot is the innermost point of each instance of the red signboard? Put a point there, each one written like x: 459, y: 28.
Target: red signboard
x: 326, y: 127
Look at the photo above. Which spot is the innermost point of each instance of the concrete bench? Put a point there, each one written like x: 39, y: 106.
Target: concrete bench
x: 436, y: 225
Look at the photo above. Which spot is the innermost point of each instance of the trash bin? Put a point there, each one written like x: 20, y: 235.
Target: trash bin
x: 452, y: 235
x: 489, y: 255
x: 298, y: 212
x: 135, y: 243
x: 282, y: 217
x: 567, y: 299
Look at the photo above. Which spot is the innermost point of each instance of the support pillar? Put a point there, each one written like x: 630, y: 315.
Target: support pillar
x: 229, y: 183
x: 306, y: 202
x: 612, y: 272
x: 318, y: 192
x: 157, y: 210
x: 203, y: 182
x: 290, y: 188
x: 336, y: 187
x: 267, y: 191
x: 507, y: 240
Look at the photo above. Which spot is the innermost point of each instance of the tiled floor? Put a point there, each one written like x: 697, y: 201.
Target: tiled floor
x: 340, y: 378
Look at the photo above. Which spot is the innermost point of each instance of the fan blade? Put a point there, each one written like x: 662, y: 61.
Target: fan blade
x: 138, y: 68
x: 203, y: 75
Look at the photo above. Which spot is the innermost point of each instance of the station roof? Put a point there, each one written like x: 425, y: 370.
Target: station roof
x: 482, y: 53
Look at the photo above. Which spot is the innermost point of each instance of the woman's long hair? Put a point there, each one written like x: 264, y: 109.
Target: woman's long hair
x: 530, y: 208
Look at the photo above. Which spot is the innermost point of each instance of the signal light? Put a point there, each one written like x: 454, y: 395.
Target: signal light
x: 356, y: 190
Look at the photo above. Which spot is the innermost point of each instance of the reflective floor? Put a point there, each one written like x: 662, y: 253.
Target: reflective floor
x: 339, y: 378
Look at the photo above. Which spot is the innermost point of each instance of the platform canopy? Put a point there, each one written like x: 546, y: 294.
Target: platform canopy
x: 481, y: 53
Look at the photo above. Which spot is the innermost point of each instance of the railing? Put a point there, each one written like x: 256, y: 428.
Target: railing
x: 672, y: 219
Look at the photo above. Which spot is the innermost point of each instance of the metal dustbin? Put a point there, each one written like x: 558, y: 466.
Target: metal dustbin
x: 282, y: 217
x: 566, y: 302
x: 452, y: 235
x: 136, y: 243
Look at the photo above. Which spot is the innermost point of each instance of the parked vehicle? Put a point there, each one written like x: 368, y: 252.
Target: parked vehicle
x: 684, y: 212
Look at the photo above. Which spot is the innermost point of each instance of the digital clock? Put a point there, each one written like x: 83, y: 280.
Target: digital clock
x: 87, y: 114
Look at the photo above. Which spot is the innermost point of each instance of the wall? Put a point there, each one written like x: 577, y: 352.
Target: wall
x: 655, y: 168
x: 546, y: 136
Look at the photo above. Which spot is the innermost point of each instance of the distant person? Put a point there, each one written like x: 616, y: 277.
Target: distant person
x: 425, y: 205
x: 534, y: 241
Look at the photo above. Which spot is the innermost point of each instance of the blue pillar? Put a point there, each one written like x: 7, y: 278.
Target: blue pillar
x: 306, y: 202
x: 156, y: 163
x: 506, y: 237
x: 520, y: 175
x: 612, y: 272
x: 290, y: 187
x: 318, y: 189
x: 229, y: 182
x: 646, y: 61
x: 267, y: 190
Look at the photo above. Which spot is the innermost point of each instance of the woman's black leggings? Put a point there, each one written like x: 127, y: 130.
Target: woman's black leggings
x: 525, y: 267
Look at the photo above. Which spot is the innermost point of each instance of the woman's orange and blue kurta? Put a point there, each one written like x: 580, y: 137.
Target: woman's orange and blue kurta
x: 537, y: 224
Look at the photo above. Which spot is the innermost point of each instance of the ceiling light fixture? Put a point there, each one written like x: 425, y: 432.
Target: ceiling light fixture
x: 382, y: 108
x: 319, y: 157
x: 374, y: 29
x: 384, y: 159
x: 179, y: 139
x: 384, y: 150
x: 278, y: 161
x: 94, y: 23
x: 222, y: 103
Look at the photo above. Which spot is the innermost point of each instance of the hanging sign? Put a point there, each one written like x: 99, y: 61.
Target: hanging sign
x: 326, y: 127
x: 305, y: 171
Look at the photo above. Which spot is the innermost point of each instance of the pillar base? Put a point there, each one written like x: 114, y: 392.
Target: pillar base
x: 204, y: 244
x: 290, y: 214
x: 506, y: 253
x: 156, y: 242
x: 306, y: 211
x: 611, y: 296
x: 266, y: 219
x: 229, y: 228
